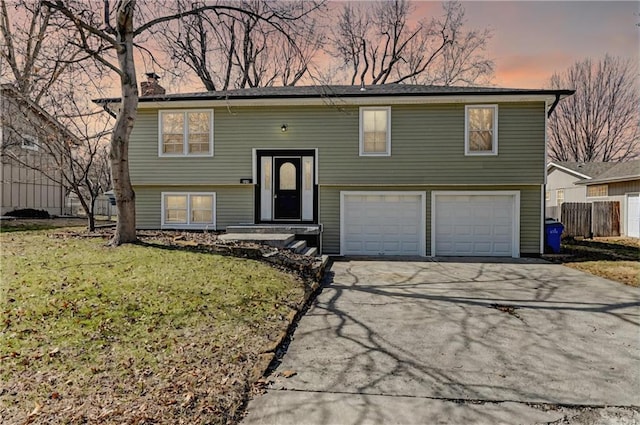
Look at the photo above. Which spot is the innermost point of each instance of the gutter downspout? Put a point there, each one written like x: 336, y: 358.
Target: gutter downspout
x: 105, y: 106
x: 553, y: 106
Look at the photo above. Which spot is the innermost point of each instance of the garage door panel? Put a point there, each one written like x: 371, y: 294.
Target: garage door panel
x: 382, y: 224
x: 474, y: 225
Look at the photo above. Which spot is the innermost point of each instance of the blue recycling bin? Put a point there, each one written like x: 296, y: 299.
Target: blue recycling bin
x: 553, y: 235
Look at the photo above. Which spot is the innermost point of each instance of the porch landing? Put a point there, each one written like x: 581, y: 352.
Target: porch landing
x: 293, y: 237
x: 295, y: 229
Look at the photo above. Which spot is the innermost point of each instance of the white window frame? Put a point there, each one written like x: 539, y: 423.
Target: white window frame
x: 363, y: 109
x: 494, y: 140
x: 606, y: 187
x: 32, y: 139
x: 188, y: 224
x: 185, y: 133
x: 559, y: 199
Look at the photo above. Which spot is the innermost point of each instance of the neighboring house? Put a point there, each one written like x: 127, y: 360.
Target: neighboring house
x: 597, y: 181
x: 385, y: 170
x: 22, y: 128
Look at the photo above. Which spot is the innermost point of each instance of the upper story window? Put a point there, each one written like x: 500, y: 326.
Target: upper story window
x: 559, y: 197
x: 481, y: 130
x: 375, y: 131
x: 597, y: 190
x: 187, y: 132
x: 547, y: 196
x: 30, y: 142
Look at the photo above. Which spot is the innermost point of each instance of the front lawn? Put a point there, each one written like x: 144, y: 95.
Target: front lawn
x: 615, y: 258
x: 135, y: 334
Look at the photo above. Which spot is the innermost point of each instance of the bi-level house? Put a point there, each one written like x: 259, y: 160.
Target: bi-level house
x: 380, y: 170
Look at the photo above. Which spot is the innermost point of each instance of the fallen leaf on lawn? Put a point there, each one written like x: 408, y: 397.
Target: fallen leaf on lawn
x: 36, y: 410
x: 54, y: 351
x: 188, y: 399
x: 289, y: 373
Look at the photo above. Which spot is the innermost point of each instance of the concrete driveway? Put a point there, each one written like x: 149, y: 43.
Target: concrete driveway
x: 460, y: 341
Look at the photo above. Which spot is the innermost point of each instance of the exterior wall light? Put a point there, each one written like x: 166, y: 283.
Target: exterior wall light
x: 284, y: 128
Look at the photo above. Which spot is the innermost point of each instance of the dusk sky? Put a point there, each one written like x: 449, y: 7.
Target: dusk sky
x: 534, y: 39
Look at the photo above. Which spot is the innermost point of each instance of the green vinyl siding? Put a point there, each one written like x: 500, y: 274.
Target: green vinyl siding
x: 427, y: 146
x: 234, y: 204
x: 329, y: 200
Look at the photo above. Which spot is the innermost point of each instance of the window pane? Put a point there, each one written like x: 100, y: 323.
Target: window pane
x: 172, y: 143
x: 201, y: 202
x: 287, y: 176
x: 176, y: 201
x: 198, y: 122
x: 198, y: 143
x: 201, y: 216
x: 308, y: 175
x: 175, y: 209
x: 173, y: 122
x: 480, y: 141
x: 480, y: 119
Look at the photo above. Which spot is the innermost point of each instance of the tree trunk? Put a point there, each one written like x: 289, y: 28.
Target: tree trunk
x: 125, y: 196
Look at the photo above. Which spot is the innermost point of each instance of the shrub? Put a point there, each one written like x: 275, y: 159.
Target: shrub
x: 29, y: 213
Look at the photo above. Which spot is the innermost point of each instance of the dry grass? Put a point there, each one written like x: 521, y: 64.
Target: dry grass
x: 131, y: 335
x: 615, y: 258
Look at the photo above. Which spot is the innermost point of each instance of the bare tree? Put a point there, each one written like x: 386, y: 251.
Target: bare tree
x: 34, y: 53
x: 109, y: 36
x: 232, y: 49
x: 377, y: 45
x: 601, y: 121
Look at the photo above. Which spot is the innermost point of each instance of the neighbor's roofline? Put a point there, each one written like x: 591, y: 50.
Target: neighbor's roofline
x: 568, y: 170
x: 610, y: 180
x: 360, y: 97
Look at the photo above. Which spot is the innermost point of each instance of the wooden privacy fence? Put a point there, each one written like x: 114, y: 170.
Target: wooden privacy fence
x: 589, y: 219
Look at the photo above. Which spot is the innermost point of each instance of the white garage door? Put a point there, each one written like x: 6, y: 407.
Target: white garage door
x: 480, y: 224
x: 633, y: 216
x: 382, y: 223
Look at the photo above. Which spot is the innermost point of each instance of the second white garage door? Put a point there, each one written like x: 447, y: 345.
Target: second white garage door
x: 475, y: 224
x: 382, y: 223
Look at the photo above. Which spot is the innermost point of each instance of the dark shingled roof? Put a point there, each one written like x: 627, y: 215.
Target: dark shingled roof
x: 320, y: 91
x: 590, y: 169
x: 603, y: 172
x: 629, y: 170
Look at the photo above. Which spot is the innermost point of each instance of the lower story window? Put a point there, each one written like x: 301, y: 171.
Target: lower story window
x: 194, y: 210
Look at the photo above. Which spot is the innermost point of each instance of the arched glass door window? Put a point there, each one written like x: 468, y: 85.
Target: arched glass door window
x: 287, y: 176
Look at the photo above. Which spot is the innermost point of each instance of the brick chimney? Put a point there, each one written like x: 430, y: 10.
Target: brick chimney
x: 151, y: 86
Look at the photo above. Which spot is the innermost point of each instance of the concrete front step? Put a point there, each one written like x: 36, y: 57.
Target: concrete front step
x: 311, y: 251
x: 297, y: 229
x: 297, y: 246
x: 277, y: 240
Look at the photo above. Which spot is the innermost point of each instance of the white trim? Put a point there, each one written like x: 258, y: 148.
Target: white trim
x: 187, y: 225
x: 364, y: 109
x: 185, y: 133
x: 568, y: 170
x: 627, y: 216
x: 515, y: 194
x: 343, y: 101
x: 423, y: 208
x: 494, y: 142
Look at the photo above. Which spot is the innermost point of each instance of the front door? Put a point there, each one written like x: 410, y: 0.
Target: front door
x: 287, y: 197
